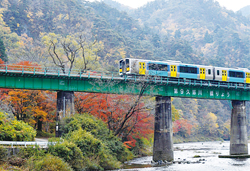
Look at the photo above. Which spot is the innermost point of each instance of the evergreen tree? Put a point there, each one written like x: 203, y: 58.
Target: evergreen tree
x: 3, y: 55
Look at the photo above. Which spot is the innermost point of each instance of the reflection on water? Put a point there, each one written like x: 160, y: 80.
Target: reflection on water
x: 200, y: 156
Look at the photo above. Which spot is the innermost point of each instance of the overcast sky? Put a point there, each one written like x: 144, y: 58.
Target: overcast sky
x: 234, y: 5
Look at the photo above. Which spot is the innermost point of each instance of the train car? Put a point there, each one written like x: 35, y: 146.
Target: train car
x: 176, y: 69
x: 131, y: 66
x: 200, y: 72
x: 162, y: 68
x: 233, y: 75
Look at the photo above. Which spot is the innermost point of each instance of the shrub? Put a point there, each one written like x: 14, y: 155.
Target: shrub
x: 86, y: 122
x: 94, y: 149
x: 88, y: 144
x: 28, y: 152
x: 142, y: 147
x: 70, y: 153
x: 47, y: 162
x: 13, y: 130
x: 44, y: 134
x: 3, y: 154
x: 99, y: 130
x: 16, y: 161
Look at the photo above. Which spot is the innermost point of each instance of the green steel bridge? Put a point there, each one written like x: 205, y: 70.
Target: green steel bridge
x: 54, y: 79
x: 68, y: 82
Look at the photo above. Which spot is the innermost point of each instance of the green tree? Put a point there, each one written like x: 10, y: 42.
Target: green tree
x: 3, y: 55
x: 208, y: 38
x: 71, y: 51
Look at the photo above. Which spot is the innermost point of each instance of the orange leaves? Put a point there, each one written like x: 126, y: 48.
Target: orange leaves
x: 182, y: 125
x: 31, y: 106
x: 1, y: 61
x: 115, y: 111
x: 25, y: 65
x: 129, y: 144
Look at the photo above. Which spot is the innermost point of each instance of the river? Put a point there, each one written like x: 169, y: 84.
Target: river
x: 184, y: 157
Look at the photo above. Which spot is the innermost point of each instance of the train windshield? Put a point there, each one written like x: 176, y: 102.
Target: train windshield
x: 121, y: 64
x: 127, y: 64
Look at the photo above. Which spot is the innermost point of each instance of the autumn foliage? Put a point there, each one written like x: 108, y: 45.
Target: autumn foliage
x: 32, y: 106
x: 1, y: 61
x: 182, y: 126
x: 112, y: 109
x: 38, y: 108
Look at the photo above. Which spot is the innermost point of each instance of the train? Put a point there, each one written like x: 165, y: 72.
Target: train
x: 177, y: 69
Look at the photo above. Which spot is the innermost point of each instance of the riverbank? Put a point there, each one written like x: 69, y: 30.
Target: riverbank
x: 197, y: 138
x: 193, y: 156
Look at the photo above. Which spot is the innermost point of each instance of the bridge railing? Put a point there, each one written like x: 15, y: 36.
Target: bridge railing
x: 54, y: 71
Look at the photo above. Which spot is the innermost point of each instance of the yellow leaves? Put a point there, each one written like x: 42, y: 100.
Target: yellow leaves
x: 227, y: 124
x: 39, y: 113
x: 29, y: 14
x: 212, y: 116
x: 60, y: 16
x: 116, y: 53
x: 67, y: 17
x: 39, y: 14
x: 175, y: 113
x: 211, y: 122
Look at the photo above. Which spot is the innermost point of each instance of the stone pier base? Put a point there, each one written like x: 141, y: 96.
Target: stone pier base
x: 65, y: 108
x: 163, y: 144
x: 238, y: 134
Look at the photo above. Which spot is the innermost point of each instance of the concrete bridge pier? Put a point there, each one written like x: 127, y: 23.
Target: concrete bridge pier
x: 163, y: 144
x: 238, y: 134
x: 65, y: 108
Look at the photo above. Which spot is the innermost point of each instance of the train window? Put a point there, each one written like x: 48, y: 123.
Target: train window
x: 209, y: 71
x: 152, y: 67
x: 191, y: 70
x: 236, y: 74
x: 127, y: 63
x: 162, y: 67
x: 157, y: 67
x: 218, y: 72
x: 121, y: 64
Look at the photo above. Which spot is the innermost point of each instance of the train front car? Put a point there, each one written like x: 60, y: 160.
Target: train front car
x: 133, y: 67
x: 125, y: 67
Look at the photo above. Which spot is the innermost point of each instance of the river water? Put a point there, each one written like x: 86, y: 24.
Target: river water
x: 197, y: 156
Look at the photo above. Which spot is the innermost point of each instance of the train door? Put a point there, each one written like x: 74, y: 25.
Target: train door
x: 202, y: 73
x: 224, y: 75
x: 247, y: 77
x: 142, y: 68
x: 173, y: 70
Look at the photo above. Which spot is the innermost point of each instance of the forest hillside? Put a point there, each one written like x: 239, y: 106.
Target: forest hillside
x: 245, y: 11
x: 191, y: 31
